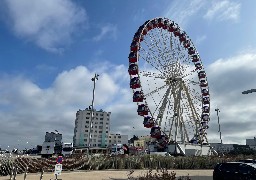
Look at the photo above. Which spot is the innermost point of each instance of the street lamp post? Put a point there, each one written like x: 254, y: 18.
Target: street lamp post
x: 217, y: 110
x: 92, y: 109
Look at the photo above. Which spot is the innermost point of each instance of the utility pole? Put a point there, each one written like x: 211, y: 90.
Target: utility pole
x: 217, y: 110
x: 92, y: 110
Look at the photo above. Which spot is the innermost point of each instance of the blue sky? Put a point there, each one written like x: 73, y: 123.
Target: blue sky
x: 49, y: 51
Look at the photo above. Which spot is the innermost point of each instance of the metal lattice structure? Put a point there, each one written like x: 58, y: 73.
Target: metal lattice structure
x: 169, y: 83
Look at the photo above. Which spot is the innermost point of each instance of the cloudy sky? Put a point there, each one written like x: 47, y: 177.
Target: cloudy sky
x: 50, y: 50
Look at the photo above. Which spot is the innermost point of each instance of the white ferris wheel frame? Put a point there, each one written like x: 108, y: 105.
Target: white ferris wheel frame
x: 175, y: 86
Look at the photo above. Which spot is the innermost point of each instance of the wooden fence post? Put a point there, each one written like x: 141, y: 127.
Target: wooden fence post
x: 11, y: 173
x: 25, y: 174
x: 15, y: 173
x: 42, y: 174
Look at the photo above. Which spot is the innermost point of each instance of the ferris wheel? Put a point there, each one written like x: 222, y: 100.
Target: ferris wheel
x: 169, y: 84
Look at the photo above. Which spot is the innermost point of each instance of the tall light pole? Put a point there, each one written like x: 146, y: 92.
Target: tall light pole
x: 217, y: 110
x: 92, y: 109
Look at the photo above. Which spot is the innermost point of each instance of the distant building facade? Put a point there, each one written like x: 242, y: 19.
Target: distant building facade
x: 142, y: 142
x: 222, y: 148
x: 251, y: 143
x: 99, y: 130
x: 117, y: 139
x: 54, y: 137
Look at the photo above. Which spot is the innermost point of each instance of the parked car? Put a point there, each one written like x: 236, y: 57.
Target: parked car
x: 248, y: 161
x: 234, y: 171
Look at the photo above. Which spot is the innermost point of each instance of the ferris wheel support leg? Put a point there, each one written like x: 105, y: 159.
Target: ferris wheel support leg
x: 193, y: 110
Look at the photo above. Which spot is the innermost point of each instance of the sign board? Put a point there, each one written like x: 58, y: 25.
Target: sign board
x: 59, y: 160
x: 58, y: 169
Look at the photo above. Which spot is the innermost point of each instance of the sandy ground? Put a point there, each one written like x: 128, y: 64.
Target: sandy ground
x: 105, y: 175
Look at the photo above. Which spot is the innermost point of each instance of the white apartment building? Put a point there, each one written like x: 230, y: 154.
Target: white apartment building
x: 117, y: 139
x: 99, y: 129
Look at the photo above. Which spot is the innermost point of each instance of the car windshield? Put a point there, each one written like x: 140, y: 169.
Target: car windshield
x: 67, y: 149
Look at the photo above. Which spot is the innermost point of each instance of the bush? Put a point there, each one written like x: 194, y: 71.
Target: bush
x: 160, y: 174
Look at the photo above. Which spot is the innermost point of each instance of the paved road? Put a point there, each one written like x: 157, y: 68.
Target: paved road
x: 201, y: 177
x: 191, y: 177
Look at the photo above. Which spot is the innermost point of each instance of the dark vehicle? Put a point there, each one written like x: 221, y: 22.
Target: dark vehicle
x: 234, y: 171
x: 248, y: 161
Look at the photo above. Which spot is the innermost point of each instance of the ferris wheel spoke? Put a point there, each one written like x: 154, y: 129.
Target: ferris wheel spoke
x: 163, y: 106
x: 154, y: 91
x: 147, y: 60
x: 159, y: 48
x: 193, y: 110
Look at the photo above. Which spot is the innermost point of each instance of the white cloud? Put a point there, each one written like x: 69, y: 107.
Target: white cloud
x: 223, y: 11
x: 108, y: 31
x: 49, y: 24
x: 139, y: 16
x: 182, y: 11
x: 28, y: 109
x: 200, y: 39
x: 227, y: 79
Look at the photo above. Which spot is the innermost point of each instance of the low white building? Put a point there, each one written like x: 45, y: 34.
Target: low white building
x: 117, y: 139
x: 251, y: 143
x: 222, y: 148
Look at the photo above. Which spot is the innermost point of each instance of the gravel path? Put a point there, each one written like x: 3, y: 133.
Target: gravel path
x: 107, y: 175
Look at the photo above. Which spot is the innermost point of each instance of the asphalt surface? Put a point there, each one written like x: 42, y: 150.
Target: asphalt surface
x: 201, y: 177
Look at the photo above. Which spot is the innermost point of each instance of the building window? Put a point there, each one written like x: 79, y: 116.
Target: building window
x: 86, y: 135
x: 100, y: 127
x: 87, y: 118
x: 95, y: 135
x: 96, y: 114
x: 101, y: 118
x: 99, y: 140
x: 86, y: 130
x: 107, y: 119
x: 87, y: 122
x: 96, y: 122
x: 101, y: 122
x: 119, y: 136
x: 95, y: 126
x: 100, y: 131
x: 88, y: 113
x: 107, y: 114
x: 85, y: 140
x: 106, y: 131
x: 100, y: 136
x: 101, y: 114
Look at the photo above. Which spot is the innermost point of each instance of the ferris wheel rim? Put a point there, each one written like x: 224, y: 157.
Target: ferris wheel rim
x: 142, y: 29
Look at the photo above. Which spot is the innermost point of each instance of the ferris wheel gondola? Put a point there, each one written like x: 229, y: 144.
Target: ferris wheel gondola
x: 169, y: 83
